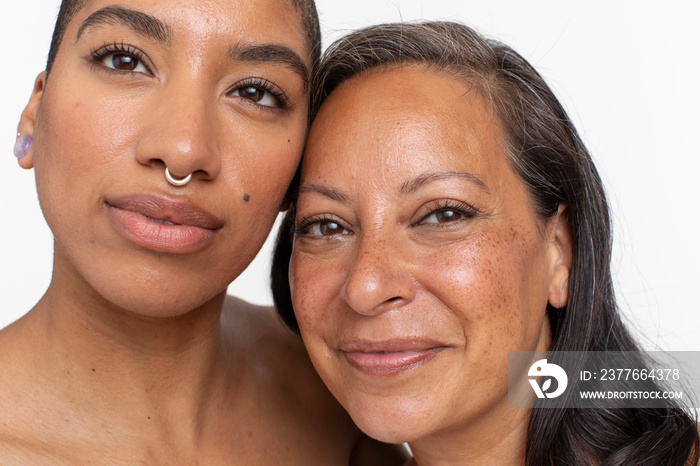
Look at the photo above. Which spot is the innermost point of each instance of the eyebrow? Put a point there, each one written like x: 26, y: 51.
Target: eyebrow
x: 156, y: 29
x: 271, y: 53
x: 407, y: 187
x: 416, y: 183
x: 327, y: 191
x: 137, y: 21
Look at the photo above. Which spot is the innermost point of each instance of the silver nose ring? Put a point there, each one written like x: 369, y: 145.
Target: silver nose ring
x: 177, y: 181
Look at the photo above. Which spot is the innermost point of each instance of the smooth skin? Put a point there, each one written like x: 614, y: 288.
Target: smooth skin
x: 418, y: 264
x: 135, y: 355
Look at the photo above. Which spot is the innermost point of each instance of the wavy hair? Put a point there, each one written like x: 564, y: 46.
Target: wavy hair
x: 547, y: 154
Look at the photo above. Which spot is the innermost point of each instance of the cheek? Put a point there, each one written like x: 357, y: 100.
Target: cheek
x: 77, y: 144
x: 494, y: 286
x: 261, y: 161
x: 83, y: 133
x: 307, y: 298
x: 314, y: 286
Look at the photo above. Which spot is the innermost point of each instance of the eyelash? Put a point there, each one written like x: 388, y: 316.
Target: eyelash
x: 461, y: 208
x: 301, y: 228
x: 267, y: 86
x: 98, y: 54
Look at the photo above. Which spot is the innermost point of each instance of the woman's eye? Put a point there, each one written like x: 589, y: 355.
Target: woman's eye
x: 124, y: 62
x: 443, y: 216
x: 325, y: 228
x: 256, y: 95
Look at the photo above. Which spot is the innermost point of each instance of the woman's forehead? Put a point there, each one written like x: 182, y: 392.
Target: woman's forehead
x: 432, y: 103
x: 409, y: 118
x: 200, y: 20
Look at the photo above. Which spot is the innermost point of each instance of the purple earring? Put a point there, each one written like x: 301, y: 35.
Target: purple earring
x: 22, y: 145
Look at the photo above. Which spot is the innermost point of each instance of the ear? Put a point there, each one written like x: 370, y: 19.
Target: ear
x: 27, y: 122
x: 560, y: 257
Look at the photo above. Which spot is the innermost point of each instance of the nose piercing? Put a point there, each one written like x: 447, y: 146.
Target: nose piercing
x: 177, y: 181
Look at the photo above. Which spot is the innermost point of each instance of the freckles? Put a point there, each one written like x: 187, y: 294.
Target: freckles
x: 308, y: 307
x: 302, y: 283
x: 513, y: 252
x: 493, y: 280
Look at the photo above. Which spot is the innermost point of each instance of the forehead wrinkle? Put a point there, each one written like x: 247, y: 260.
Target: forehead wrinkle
x: 138, y: 21
x: 271, y: 53
x: 327, y: 191
x: 416, y: 183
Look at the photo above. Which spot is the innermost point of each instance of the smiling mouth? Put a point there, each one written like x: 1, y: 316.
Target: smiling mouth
x: 384, y: 363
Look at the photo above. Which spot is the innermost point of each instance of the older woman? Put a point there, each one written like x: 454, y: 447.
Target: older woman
x: 163, y: 136
x: 447, y: 213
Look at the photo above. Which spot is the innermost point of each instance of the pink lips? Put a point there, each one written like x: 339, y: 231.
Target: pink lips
x: 161, y: 223
x: 389, y: 357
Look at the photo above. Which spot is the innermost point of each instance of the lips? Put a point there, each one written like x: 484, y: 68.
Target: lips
x: 162, y: 224
x: 388, y: 357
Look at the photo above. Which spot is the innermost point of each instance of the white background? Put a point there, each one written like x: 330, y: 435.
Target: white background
x: 627, y: 72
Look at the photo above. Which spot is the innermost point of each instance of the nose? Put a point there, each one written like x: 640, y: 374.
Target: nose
x: 380, y: 278
x: 180, y: 132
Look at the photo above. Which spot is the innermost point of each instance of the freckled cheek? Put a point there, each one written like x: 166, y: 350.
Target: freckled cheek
x: 479, y: 282
x: 315, y: 285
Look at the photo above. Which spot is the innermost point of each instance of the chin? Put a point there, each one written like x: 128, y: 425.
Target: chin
x: 150, y: 302
x: 391, y: 425
x: 385, y: 434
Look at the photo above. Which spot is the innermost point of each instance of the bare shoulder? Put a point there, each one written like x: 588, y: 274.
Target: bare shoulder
x: 258, y: 328
x: 288, y: 382
x: 19, y: 399
x: 285, y: 391
x: 16, y: 365
x: 276, y: 353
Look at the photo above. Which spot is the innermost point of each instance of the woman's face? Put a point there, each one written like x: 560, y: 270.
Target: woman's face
x: 210, y: 87
x: 417, y: 261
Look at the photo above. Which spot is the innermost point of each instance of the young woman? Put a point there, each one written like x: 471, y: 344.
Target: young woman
x: 448, y: 213
x: 163, y: 136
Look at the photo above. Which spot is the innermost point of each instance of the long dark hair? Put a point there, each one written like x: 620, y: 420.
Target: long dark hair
x: 547, y: 154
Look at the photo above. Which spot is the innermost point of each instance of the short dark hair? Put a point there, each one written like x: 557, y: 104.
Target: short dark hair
x: 306, y: 8
x: 66, y: 12
x: 549, y: 157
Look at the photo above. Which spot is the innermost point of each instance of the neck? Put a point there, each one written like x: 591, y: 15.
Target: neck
x: 123, y: 366
x: 481, y: 443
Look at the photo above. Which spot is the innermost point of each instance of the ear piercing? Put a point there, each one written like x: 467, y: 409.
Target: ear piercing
x: 177, y: 181
x: 22, y: 145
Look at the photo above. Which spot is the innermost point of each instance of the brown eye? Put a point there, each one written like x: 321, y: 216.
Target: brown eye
x: 324, y: 228
x: 443, y: 216
x: 252, y: 93
x: 258, y: 95
x: 329, y: 228
x: 124, y: 62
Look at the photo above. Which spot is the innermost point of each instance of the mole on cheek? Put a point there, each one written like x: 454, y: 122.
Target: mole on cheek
x: 246, y: 197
